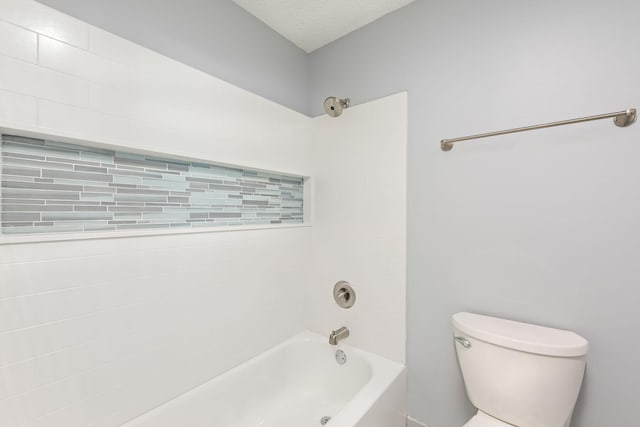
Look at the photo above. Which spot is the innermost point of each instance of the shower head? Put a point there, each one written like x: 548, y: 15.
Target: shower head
x: 334, y: 106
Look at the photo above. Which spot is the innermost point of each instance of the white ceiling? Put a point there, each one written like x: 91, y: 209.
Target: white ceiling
x: 311, y: 24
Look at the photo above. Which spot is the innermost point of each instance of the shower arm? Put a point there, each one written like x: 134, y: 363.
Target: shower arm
x: 621, y: 119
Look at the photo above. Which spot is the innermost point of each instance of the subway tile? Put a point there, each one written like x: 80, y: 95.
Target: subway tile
x: 140, y: 225
x: 21, y: 377
x: 75, y: 216
x: 80, y: 176
x: 96, y: 197
x: 17, y: 109
x: 224, y: 187
x: 205, y: 180
x: 226, y: 215
x: 40, y: 82
x: 105, y: 156
x: 41, y: 186
x: 12, y: 414
x: 86, y: 65
x: 38, y: 194
x: 11, y: 316
x: 118, y: 178
x: 13, y: 161
x: 18, y: 43
x: 11, y: 149
x: 174, y: 199
x: 124, y: 173
x: 98, y: 227
x: 33, y: 80
x: 123, y: 51
x: 45, y: 20
x: 23, y: 201
x: 82, y: 168
x: 139, y: 197
x: 96, y: 189
x: 35, y: 208
x: 23, y: 140
x: 82, y: 208
x: 79, y: 121
x: 12, y: 170
x: 140, y: 191
x: 134, y: 209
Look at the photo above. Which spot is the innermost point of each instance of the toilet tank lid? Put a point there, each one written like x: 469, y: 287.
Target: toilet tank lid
x: 521, y: 336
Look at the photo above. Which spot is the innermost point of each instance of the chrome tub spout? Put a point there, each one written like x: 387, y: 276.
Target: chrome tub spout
x: 338, y: 335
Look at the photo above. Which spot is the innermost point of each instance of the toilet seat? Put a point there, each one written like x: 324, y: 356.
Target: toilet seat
x: 483, y: 420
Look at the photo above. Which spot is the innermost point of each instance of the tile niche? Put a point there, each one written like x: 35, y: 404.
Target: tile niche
x: 55, y: 187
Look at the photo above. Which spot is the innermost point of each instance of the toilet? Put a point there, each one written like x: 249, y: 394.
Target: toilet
x: 517, y: 374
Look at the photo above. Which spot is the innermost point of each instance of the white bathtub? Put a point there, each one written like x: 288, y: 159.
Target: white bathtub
x: 294, y: 384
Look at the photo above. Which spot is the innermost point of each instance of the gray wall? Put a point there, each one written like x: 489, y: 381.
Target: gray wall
x: 217, y: 37
x: 541, y: 227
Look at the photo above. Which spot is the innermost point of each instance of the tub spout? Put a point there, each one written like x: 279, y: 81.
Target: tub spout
x: 338, y: 335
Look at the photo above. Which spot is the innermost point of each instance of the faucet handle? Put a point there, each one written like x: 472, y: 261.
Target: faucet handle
x: 344, y: 295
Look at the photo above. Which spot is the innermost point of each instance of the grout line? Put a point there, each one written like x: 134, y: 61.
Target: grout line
x: 88, y: 49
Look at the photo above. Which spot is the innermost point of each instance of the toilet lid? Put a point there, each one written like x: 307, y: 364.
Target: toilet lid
x: 484, y: 420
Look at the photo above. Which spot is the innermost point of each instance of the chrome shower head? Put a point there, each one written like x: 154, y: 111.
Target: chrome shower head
x: 334, y: 106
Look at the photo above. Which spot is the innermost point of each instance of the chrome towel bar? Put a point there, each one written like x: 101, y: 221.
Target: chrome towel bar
x: 620, y: 118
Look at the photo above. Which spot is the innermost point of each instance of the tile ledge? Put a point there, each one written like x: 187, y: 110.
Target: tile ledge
x: 89, y: 235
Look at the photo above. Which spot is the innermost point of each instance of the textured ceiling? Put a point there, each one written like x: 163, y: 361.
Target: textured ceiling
x: 311, y: 24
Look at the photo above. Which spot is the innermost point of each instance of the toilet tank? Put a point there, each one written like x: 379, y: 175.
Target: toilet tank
x: 522, y: 374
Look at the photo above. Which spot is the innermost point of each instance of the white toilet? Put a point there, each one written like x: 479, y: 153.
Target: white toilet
x: 518, y: 374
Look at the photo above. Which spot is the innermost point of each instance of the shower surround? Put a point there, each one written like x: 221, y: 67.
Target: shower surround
x: 97, y: 330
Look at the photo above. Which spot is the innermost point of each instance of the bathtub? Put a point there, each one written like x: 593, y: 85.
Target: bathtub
x: 295, y: 384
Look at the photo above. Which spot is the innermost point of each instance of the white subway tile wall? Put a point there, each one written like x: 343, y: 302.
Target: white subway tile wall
x: 19, y: 44
x: 53, y: 187
x: 95, y: 332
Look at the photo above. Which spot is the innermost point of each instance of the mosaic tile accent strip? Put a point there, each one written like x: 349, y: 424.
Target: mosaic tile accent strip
x: 54, y: 187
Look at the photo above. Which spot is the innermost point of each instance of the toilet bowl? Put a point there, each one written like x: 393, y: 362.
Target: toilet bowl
x: 518, y: 374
